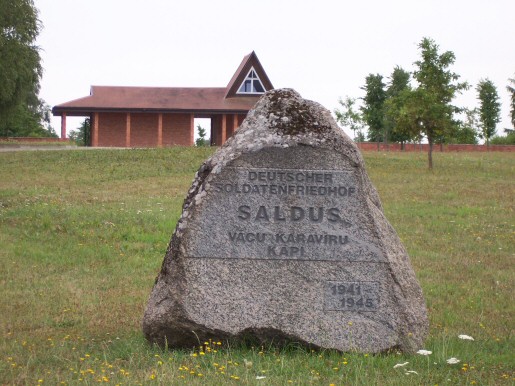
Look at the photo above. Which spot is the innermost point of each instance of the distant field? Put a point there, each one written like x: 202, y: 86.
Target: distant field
x: 83, y: 235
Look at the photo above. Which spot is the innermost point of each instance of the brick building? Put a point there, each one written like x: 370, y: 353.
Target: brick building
x: 164, y: 116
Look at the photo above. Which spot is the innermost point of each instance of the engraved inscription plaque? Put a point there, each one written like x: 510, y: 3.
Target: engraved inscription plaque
x: 285, y: 214
x: 351, y: 296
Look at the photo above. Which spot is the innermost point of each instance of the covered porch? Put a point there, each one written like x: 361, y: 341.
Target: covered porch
x: 144, y: 129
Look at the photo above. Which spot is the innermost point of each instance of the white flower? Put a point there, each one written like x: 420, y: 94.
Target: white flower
x: 424, y: 352
x: 260, y: 377
x: 453, y: 361
x: 411, y: 372
x: 400, y: 365
x: 465, y: 337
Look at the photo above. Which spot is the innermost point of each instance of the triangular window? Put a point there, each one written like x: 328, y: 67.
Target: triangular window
x: 252, y: 84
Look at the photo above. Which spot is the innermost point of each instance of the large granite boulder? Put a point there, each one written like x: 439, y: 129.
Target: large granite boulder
x: 283, y: 238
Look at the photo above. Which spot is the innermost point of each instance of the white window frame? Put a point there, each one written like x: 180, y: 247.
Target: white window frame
x: 252, y: 84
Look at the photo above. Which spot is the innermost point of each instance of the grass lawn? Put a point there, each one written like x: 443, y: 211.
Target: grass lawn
x: 83, y: 235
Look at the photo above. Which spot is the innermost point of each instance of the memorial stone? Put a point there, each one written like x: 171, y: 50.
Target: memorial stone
x: 283, y: 237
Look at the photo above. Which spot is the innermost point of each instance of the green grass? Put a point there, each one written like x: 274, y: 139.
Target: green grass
x: 43, y: 144
x: 83, y: 235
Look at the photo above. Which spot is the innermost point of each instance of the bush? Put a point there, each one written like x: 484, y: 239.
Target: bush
x: 504, y: 140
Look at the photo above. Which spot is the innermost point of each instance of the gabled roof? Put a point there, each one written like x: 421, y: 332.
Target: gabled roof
x: 248, y: 62
x: 171, y: 99
x: 156, y: 99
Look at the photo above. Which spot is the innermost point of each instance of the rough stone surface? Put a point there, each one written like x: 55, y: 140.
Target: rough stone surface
x: 283, y: 238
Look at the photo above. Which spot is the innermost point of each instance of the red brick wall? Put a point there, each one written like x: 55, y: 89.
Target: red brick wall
x: 216, y: 127
x: 230, y: 125
x: 177, y: 129
x: 143, y: 130
x: 216, y: 130
x: 111, y: 129
x: 241, y: 117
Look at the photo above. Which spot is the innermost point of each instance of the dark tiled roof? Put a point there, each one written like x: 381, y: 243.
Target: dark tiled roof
x: 170, y: 99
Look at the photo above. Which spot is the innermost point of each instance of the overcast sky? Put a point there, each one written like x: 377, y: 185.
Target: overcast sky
x: 324, y: 49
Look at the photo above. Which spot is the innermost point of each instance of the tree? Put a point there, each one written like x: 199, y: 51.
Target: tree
x: 373, y: 107
x: 201, y: 140
x: 20, y: 69
x: 508, y: 139
x: 468, y: 129
x: 82, y: 136
x: 395, y: 93
x: 489, y: 108
x: 511, y: 90
x: 431, y: 111
x: 349, y: 117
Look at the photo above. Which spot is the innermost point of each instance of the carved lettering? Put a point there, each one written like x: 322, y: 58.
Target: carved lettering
x: 273, y: 251
x: 291, y: 214
x: 288, y: 214
x: 351, y: 296
x: 247, y: 237
x: 244, y: 211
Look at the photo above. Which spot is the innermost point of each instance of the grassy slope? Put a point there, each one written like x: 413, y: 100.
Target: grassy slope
x: 83, y: 234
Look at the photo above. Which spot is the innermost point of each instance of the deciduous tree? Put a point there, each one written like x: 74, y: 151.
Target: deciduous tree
x: 397, y: 89
x: 430, y: 108
x: 511, y: 90
x: 350, y: 117
x: 21, y: 110
x: 373, y: 107
x: 489, y: 108
x: 82, y: 136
